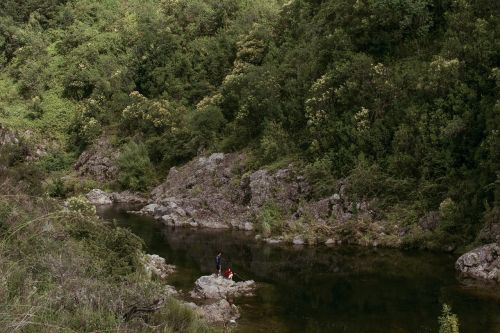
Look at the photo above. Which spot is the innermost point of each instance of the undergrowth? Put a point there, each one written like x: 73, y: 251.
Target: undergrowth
x: 65, y: 270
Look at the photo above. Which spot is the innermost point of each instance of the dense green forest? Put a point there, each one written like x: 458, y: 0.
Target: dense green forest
x: 401, y: 97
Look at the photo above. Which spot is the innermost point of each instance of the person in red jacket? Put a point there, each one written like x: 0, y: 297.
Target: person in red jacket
x: 228, y: 274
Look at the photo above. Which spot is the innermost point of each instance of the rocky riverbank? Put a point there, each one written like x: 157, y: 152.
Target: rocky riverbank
x: 215, y: 295
x: 217, y: 192
x: 212, y: 296
x: 99, y: 198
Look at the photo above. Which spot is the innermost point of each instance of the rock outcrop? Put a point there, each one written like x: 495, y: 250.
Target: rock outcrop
x: 481, y: 263
x: 203, y: 193
x: 7, y: 137
x: 127, y: 197
x: 214, y: 287
x: 100, y: 198
x: 216, y: 192
x: 32, y: 149
x: 98, y: 161
x: 215, y: 294
x: 216, y: 312
x: 154, y: 265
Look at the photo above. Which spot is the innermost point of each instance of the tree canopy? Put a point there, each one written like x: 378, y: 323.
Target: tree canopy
x: 402, y: 93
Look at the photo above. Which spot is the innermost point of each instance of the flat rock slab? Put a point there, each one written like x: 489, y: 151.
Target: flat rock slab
x: 481, y: 263
x: 213, y: 287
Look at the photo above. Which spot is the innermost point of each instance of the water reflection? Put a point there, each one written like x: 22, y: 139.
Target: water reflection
x: 322, y: 289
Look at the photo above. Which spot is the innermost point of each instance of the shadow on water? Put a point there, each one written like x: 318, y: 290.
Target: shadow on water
x: 321, y: 289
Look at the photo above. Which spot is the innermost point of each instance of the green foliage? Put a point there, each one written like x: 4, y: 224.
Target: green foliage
x: 178, y: 317
x: 116, y: 250
x: 403, y: 94
x: 274, y: 143
x: 35, y: 109
x: 448, y: 322
x: 63, y: 187
x: 57, y: 161
x: 136, y: 170
x: 14, y: 167
x: 85, y: 128
x: 145, y: 115
x: 207, y: 125
x: 320, y: 174
x: 56, y: 188
x: 270, y: 219
x: 85, y: 272
x: 81, y: 206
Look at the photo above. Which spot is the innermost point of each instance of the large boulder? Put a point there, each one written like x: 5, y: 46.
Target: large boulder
x: 217, y: 287
x: 283, y: 186
x: 481, y: 263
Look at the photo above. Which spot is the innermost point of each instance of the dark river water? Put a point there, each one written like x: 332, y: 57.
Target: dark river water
x: 322, y: 289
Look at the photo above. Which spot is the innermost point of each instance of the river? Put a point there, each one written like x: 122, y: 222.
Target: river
x: 322, y: 289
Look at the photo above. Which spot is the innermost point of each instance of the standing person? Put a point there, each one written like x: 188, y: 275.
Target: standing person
x: 218, y: 263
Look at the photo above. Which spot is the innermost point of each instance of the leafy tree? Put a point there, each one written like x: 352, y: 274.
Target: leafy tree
x: 136, y: 171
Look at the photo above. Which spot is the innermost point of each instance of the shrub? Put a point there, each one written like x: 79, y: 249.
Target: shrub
x: 270, y: 219
x: 177, y: 317
x: 35, y: 108
x: 448, y: 321
x: 85, y: 127
x: 13, y: 154
x: 206, y: 125
x: 320, y: 176
x: 58, y: 161
x: 80, y: 205
x: 56, y: 188
x: 136, y: 170
x: 67, y: 186
x: 366, y: 180
x: 274, y: 143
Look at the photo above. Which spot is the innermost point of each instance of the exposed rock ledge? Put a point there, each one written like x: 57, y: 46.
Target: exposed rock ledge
x: 99, y: 197
x: 213, y: 294
x: 98, y: 161
x: 217, y: 192
x: 481, y: 263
